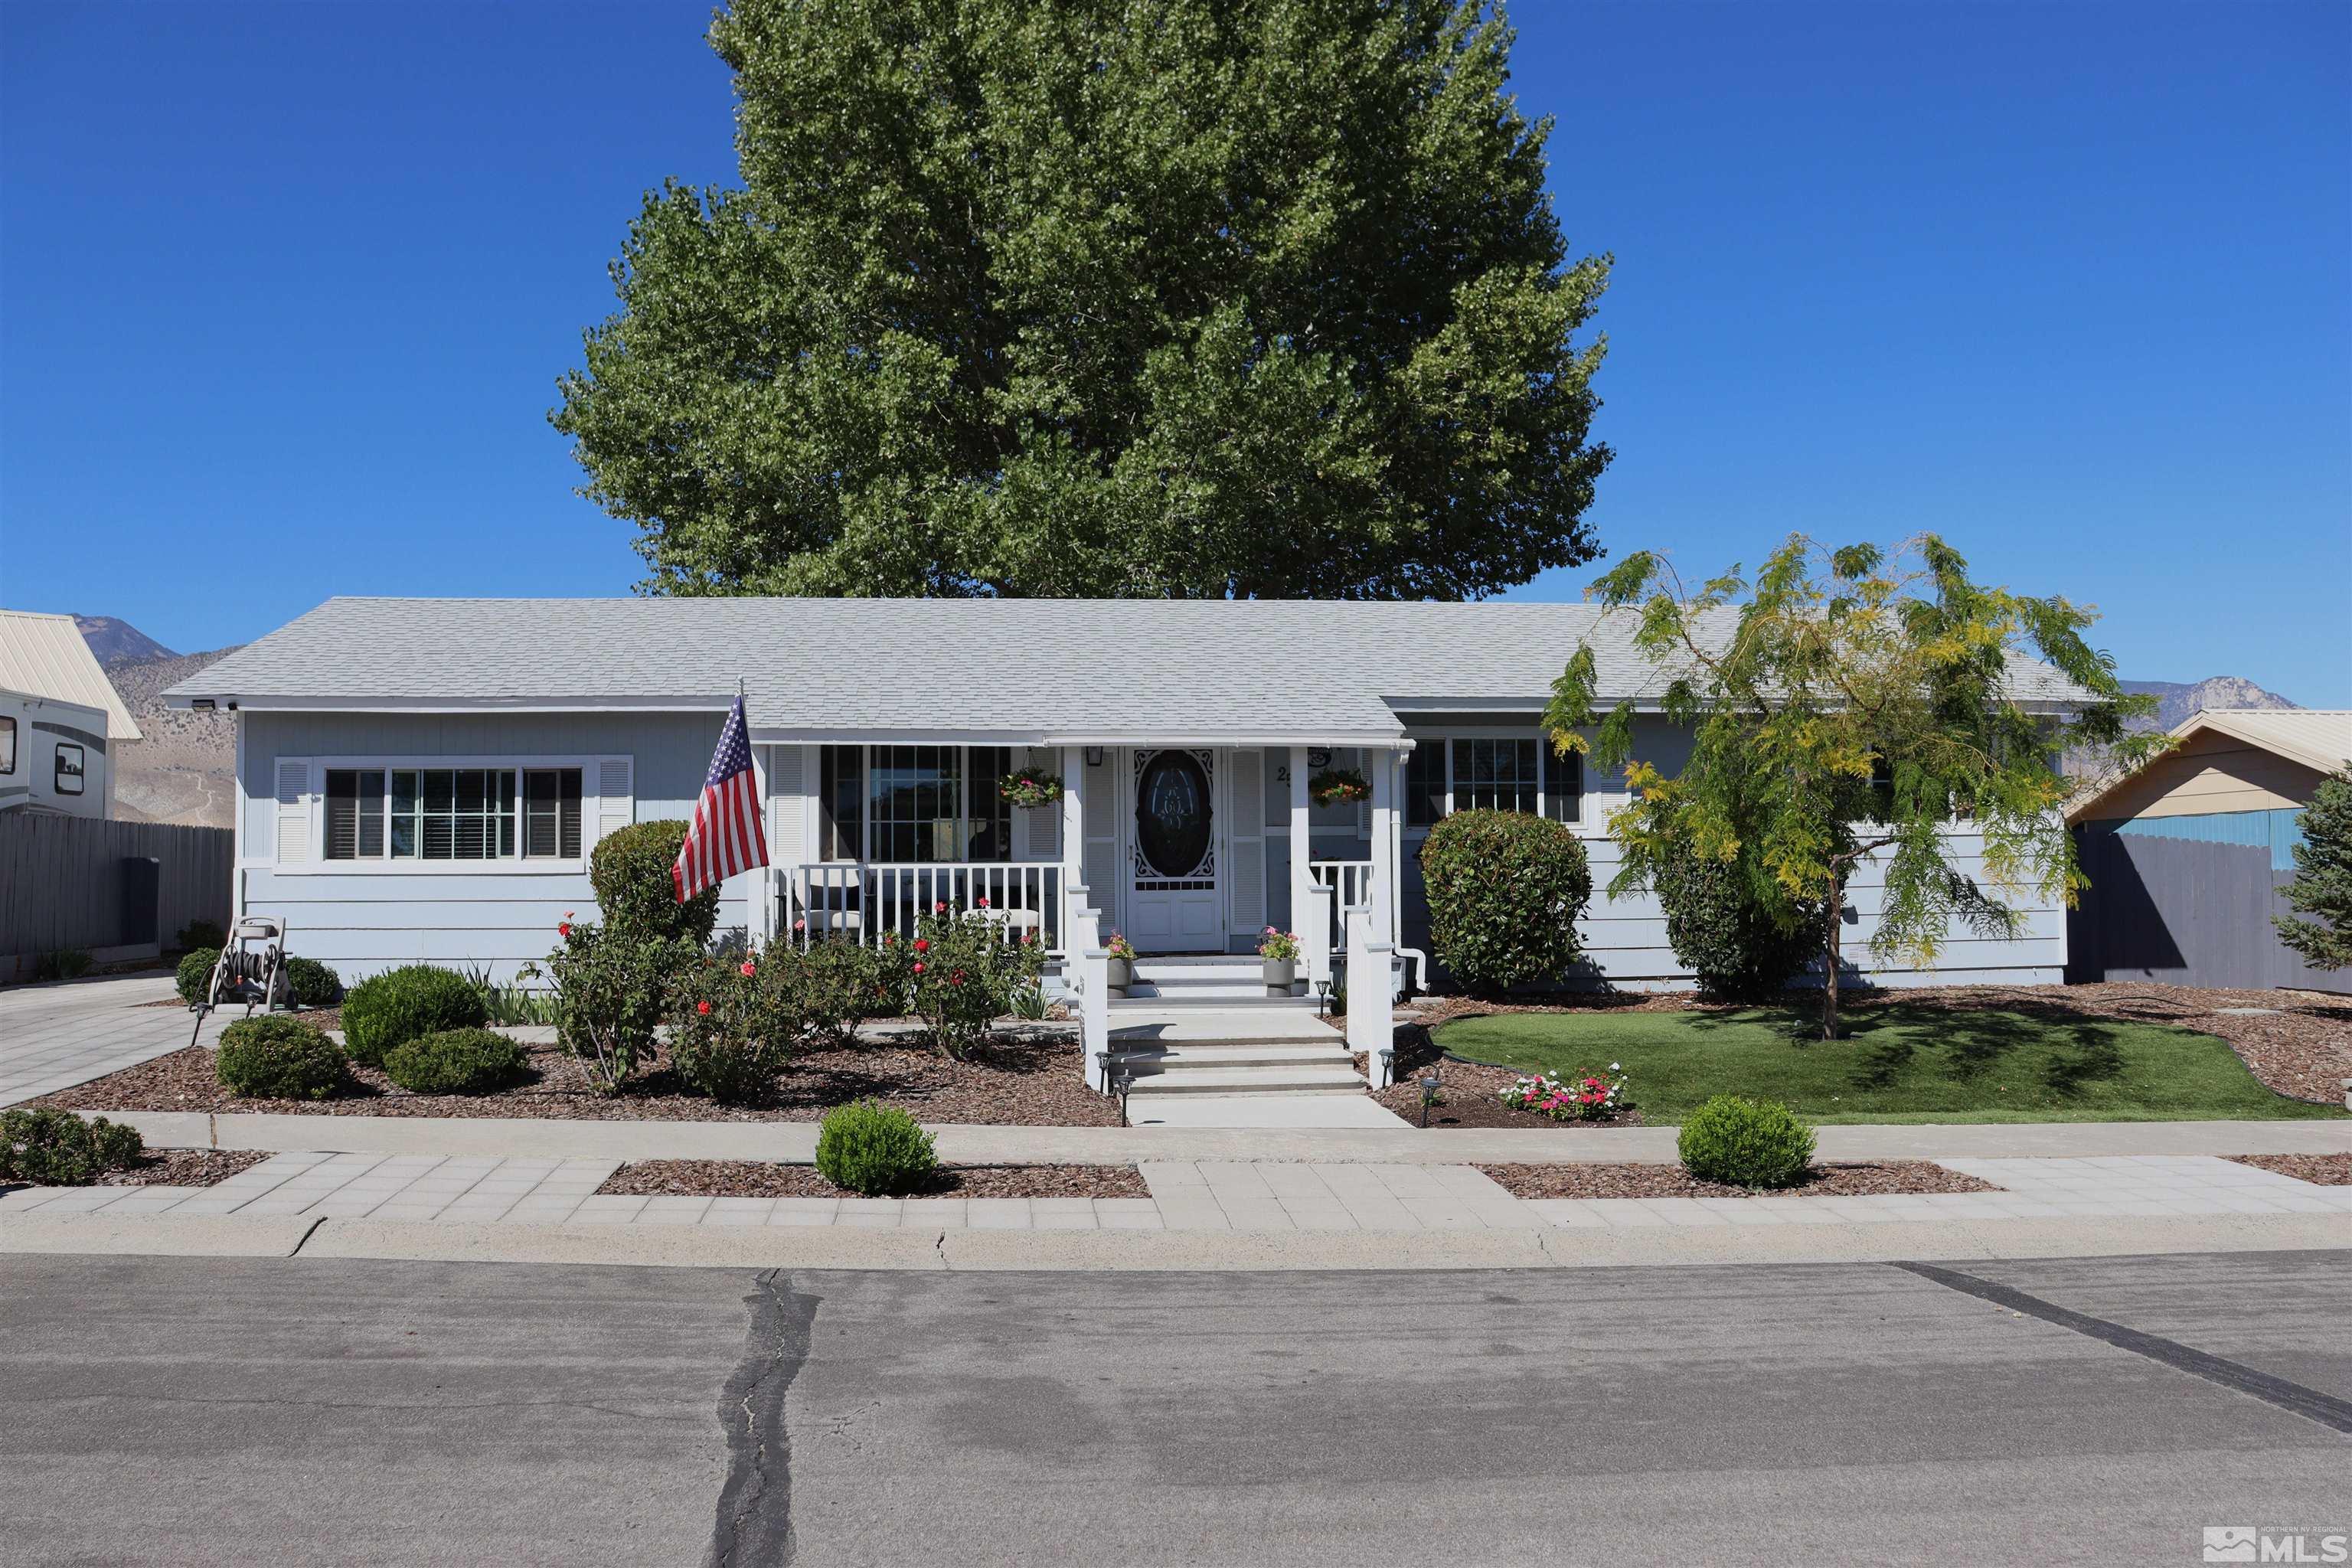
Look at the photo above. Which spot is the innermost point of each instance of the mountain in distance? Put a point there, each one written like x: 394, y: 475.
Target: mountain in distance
x: 2177, y: 699
x: 185, y: 771
x: 118, y: 642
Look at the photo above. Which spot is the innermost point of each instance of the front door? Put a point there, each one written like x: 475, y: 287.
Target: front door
x: 1174, y: 901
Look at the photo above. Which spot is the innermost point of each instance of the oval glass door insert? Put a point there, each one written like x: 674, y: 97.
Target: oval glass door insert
x: 1171, y: 814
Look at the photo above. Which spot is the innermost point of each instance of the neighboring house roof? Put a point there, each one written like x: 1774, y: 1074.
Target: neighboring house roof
x: 2319, y: 739
x: 44, y: 655
x: 1057, y: 670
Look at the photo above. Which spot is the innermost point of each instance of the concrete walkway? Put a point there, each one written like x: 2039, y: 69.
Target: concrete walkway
x: 54, y: 1037
x: 1186, y: 1196
x: 796, y: 1141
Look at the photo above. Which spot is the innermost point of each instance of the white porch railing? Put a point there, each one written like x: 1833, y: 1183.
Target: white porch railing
x: 1085, y: 976
x: 863, y: 900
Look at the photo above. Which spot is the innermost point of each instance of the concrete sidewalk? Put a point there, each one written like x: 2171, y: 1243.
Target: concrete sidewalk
x: 54, y: 1037
x: 796, y: 1141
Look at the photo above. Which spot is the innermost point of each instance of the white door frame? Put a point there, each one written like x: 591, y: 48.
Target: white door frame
x: 1209, y: 909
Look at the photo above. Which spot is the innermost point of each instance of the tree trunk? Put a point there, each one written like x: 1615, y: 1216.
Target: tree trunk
x: 1829, y: 969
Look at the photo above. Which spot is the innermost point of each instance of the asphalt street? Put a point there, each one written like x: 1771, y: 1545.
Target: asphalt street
x: 306, y: 1410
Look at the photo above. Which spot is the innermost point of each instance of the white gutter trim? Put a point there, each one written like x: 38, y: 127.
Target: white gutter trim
x: 713, y: 704
x: 836, y: 735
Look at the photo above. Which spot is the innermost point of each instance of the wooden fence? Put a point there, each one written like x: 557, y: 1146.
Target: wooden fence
x: 63, y: 885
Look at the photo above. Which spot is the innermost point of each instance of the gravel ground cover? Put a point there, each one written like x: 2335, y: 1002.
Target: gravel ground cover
x: 766, y: 1179
x: 2325, y: 1170
x: 1013, y: 1082
x: 1862, y: 1179
x: 185, y: 1167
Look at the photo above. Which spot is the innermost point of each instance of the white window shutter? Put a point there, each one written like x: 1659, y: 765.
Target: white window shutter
x: 1248, y: 782
x: 791, y: 772
x: 616, y: 805
x: 1039, y: 830
x: 293, y: 810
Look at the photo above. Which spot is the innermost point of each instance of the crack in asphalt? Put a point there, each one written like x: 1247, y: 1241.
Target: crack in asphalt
x: 754, y: 1522
x: 2308, y: 1403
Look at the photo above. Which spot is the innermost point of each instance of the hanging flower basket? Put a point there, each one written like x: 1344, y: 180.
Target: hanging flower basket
x: 1030, y: 787
x: 1334, y: 785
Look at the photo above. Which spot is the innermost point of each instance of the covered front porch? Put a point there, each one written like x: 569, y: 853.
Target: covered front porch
x: 1187, y: 849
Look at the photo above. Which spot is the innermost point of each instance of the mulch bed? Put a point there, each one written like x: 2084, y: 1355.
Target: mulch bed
x: 185, y: 1168
x: 2325, y: 1170
x: 766, y: 1179
x: 1471, y: 1096
x: 2300, y: 1046
x: 1862, y: 1179
x: 1013, y: 1082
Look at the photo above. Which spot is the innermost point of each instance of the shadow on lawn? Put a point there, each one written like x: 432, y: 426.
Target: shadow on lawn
x: 1891, y: 1041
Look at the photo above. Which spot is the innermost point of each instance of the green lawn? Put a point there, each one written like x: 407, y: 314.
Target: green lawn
x: 1900, y: 1064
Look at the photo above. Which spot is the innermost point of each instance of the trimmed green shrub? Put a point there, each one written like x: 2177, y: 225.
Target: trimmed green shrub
x: 273, y: 1056
x: 196, y: 974
x: 876, y: 1150
x: 199, y: 933
x: 1505, y: 891
x: 312, y: 984
x: 388, y: 1010
x: 1742, y: 948
x: 837, y: 985
x: 455, y: 1061
x: 1746, y: 1143
x: 59, y: 1149
x: 631, y: 872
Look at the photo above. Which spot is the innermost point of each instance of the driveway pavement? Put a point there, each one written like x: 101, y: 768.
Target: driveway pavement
x: 201, y: 1411
x: 54, y: 1037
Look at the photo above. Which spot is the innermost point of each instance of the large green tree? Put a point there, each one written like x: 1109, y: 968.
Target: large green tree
x: 1848, y: 704
x: 1104, y: 297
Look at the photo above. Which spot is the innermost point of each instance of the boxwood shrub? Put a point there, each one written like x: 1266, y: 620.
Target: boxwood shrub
x: 630, y: 870
x: 195, y: 972
x: 1734, y: 942
x: 456, y: 1061
x: 312, y: 984
x: 59, y: 1149
x: 1505, y: 891
x: 1747, y: 1142
x: 388, y: 1010
x: 273, y: 1056
x: 876, y: 1150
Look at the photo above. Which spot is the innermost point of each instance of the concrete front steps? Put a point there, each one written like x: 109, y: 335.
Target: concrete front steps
x: 1216, y: 980
x: 1196, y: 1051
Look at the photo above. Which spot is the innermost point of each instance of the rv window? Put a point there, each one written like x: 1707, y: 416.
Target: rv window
x: 68, y: 774
x: 9, y: 745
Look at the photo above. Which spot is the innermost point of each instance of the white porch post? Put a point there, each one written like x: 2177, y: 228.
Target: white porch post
x: 1382, y: 897
x: 1074, y: 844
x: 1309, y: 912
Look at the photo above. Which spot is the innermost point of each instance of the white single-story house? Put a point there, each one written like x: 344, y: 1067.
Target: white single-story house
x: 422, y: 779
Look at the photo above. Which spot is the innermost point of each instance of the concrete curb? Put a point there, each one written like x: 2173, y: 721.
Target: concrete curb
x: 796, y: 1141
x: 850, y: 1247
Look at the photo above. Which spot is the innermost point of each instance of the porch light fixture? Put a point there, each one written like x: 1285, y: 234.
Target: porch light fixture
x: 1429, y: 1087
x: 1322, y: 998
x: 1093, y: 756
x: 1123, y: 1079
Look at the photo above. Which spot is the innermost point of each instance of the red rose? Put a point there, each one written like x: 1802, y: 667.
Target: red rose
x: 703, y: 1008
x: 919, y: 969
x: 564, y: 929
x: 939, y: 908
x: 922, y: 945
x: 984, y: 903
x: 747, y: 966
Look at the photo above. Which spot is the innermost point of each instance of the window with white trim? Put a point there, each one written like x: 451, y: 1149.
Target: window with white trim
x: 1497, y: 773
x: 919, y: 805
x: 453, y: 814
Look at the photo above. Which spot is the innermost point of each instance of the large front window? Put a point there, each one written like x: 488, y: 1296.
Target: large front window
x: 453, y: 814
x: 1496, y: 773
x: 914, y: 804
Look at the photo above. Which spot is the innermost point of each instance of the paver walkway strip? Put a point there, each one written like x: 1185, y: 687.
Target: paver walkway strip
x: 55, y: 1037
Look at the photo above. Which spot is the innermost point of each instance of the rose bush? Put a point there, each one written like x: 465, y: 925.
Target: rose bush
x: 964, y: 973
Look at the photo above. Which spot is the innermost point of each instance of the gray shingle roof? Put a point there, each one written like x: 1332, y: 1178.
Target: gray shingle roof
x: 1061, y: 668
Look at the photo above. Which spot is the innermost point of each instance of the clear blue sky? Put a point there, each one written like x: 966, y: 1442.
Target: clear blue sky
x: 284, y: 290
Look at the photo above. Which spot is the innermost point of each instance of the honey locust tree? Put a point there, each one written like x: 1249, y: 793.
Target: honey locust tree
x: 1104, y: 297
x: 1849, y: 704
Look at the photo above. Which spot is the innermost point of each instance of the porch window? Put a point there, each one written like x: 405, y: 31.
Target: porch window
x: 916, y: 798
x: 841, y: 804
x: 913, y: 804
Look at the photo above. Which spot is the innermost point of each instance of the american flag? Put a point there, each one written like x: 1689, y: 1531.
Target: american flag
x: 726, y: 836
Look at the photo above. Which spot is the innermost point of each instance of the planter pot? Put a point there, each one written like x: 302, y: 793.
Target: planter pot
x: 1122, y: 975
x: 1281, y: 975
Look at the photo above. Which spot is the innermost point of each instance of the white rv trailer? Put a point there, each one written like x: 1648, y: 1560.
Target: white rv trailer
x: 53, y: 757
